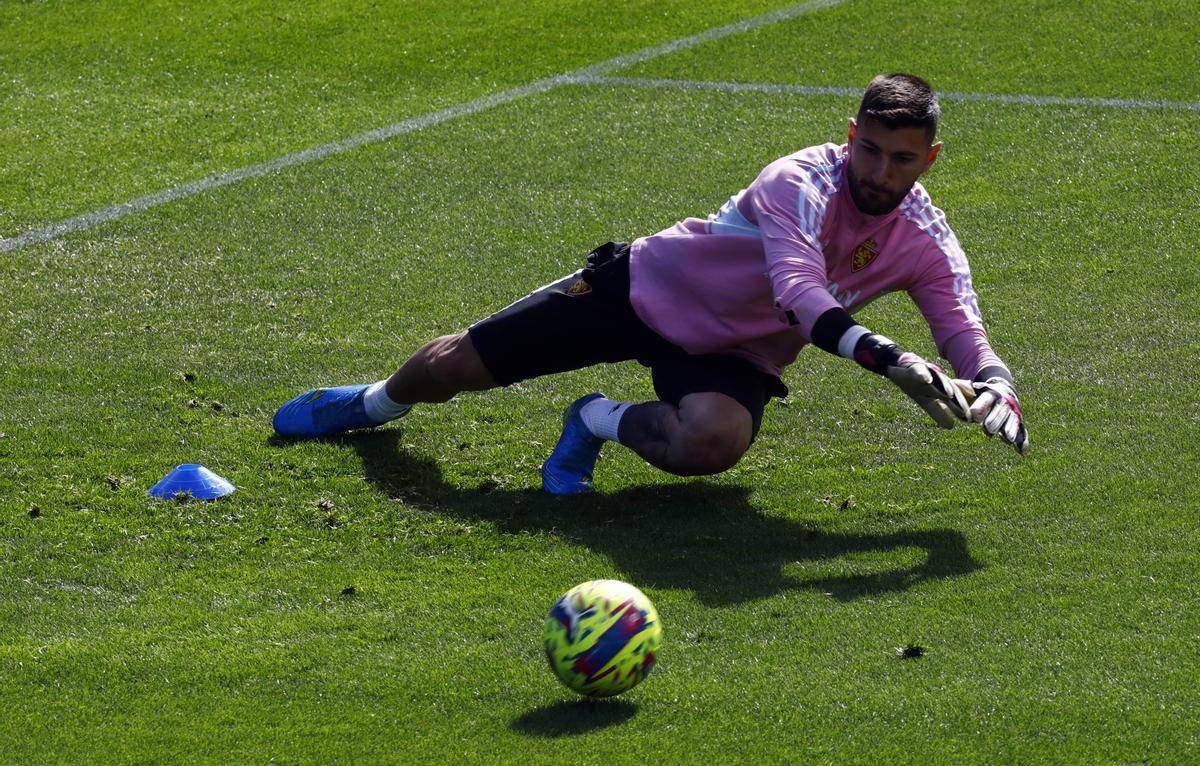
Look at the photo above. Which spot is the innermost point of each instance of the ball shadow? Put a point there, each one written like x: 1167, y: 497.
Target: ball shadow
x: 573, y: 717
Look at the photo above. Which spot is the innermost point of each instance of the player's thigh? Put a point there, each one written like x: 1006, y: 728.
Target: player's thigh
x: 566, y: 325
x: 735, y: 381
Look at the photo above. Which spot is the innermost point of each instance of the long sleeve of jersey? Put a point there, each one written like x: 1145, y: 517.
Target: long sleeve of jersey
x: 789, y: 209
x: 941, y: 288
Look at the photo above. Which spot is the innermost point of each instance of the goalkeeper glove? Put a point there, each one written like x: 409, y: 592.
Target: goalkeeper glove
x: 996, y: 407
x: 924, y: 382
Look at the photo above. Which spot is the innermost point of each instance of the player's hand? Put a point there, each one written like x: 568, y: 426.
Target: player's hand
x: 929, y: 387
x: 996, y: 407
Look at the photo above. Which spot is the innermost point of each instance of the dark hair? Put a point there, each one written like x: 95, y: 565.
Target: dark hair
x: 901, y: 101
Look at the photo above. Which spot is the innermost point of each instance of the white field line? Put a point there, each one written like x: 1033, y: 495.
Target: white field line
x: 112, y: 212
x: 818, y: 90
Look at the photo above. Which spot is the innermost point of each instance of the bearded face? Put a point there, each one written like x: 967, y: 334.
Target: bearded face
x: 885, y: 163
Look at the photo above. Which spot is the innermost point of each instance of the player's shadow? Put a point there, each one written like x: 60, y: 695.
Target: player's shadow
x: 699, y: 536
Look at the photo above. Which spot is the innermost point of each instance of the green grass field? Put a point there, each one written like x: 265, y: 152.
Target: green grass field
x: 379, y: 597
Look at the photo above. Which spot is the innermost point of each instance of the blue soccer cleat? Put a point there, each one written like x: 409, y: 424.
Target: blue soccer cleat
x: 568, y: 470
x: 323, y: 412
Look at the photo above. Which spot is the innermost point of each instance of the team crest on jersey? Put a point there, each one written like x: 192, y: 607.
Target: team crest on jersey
x: 863, y: 255
x: 579, y: 288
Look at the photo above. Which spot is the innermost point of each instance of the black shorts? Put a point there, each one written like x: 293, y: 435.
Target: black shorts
x: 587, y: 319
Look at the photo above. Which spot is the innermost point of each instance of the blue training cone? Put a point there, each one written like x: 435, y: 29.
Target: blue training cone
x: 194, y: 480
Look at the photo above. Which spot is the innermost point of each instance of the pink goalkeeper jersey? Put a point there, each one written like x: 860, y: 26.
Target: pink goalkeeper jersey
x: 794, y: 241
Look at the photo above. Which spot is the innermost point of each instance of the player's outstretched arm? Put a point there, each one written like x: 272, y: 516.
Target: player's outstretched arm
x: 924, y: 382
x: 933, y: 390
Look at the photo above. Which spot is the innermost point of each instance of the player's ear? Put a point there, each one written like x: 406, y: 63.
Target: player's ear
x: 931, y: 157
x: 853, y: 125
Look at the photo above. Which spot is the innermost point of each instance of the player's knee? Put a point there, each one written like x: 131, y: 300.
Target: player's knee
x: 707, y: 448
x: 452, y: 361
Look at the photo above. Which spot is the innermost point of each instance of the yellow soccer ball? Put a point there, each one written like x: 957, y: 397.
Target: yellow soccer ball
x: 602, y: 637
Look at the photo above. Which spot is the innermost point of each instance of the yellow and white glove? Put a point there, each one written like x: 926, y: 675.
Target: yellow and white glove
x: 932, y: 389
x: 924, y: 382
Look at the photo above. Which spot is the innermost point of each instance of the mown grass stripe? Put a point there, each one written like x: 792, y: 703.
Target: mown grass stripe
x: 829, y: 90
x: 707, y: 36
x: 88, y: 220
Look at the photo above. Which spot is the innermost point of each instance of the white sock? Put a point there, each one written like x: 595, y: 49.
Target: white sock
x: 603, y: 417
x: 380, y: 407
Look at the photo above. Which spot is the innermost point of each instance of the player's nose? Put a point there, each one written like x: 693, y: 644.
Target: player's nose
x: 884, y: 175
x: 877, y: 174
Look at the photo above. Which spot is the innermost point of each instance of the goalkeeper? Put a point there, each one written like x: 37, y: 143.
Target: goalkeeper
x: 717, y: 307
